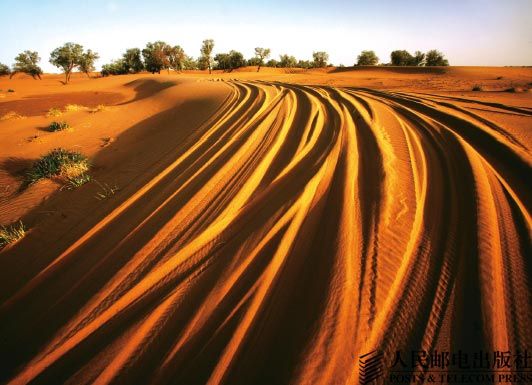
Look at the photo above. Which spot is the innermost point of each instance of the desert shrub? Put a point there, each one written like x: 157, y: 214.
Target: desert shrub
x: 99, y: 108
x: 418, y: 59
x: 54, y: 112
x: 11, y: 233
x: 435, y: 58
x: 58, y: 126
x: 320, y: 59
x: 77, y: 181
x: 58, y: 162
x: 74, y: 107
x: 4, y: 70
x: 12, y: 115
x: 367, y: 58
x: 26, y: 62
x: 10, y: 90
x: 478, y: 87
x: 287, y: 61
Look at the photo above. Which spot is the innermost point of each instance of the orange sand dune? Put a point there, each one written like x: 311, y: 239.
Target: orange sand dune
x: 266, y: 231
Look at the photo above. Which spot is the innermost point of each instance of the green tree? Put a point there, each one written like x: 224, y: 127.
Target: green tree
x: 176, y: 58
x: 287, y: 61
x: 261, y: 54
x: 418, y: 59
x: 4, y: 70
x: 367, y: 58
x: 206, y: 53
x: 155, y: 58
x: 304, y: 64
x: 435, y: 58
x: 320, y: 59
x: 401, y: 58
x: 190, y: 63
x: 272, y: 63
x: 229, y: 61
x: 133, y: 60
x: 26, y: 62
x: 67, y: 57
x: 86, y: 64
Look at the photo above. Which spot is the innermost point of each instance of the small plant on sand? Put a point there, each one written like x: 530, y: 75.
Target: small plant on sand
x: 77, y: 181
x: 58, y: 163
x: 478, y: 88
x: 54, y: 113
x: 99, y: 108
x: 11, y: 233
x: 12, y: 115
x: 106, y: 191
x: 58, y: 126
x: 74, y: 108
x: 11, y: 90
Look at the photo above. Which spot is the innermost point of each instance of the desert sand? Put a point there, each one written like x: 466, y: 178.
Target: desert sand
x: 267, y: 228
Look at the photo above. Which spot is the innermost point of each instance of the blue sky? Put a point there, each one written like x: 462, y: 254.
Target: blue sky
x: 469, y: 32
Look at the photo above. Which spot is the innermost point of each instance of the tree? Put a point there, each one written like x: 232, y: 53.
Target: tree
x: 229, y: 61
x: 86, y: 64
x: 206, y: 53
x: 176, y: 58
x: 4, y: 70
x: 117, y: 67
x: 272, y: 63
x: 261, y: 54
x: 222, y: 61
x: 320, y: 59
x: 286, y: 61
x: 155, y: 58
x: 132, y: 60
x: 304, y: 64
x: 26, y: 62
x: 367, y: 58
x: 435, y: 58
x: 190, y: 63
x: 67, y: 57
x: 401, y: 58
x: 418, y: 59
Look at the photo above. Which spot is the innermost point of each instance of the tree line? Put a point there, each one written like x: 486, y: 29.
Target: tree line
x: 158, y: 56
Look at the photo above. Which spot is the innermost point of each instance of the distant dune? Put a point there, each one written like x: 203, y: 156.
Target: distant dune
x: 265, y: 228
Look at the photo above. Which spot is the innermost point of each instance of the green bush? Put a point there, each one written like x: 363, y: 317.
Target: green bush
x: 58, y: 126
x: 58, y: 162
x: 367, y: 58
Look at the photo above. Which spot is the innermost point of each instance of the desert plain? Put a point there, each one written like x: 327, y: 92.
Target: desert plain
x: 264, y: 227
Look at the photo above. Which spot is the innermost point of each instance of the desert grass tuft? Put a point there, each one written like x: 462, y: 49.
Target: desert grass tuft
x: 74, y: 108
x: 77, y: 181
x: 54, y: 112
x: 99, y: 108
x: 58, y: 126
x: 478, y: 87
x: 11, y: 233
x: 106, y: 191
x: 58, y: 163
x: 12, y: 115
x: 10, y: 90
